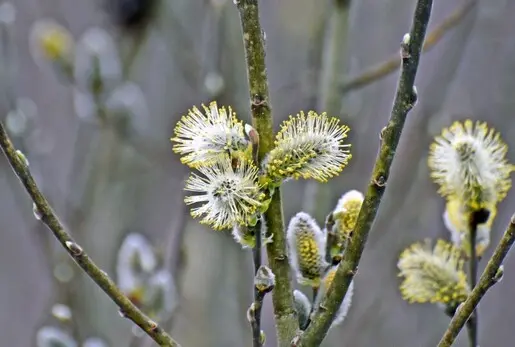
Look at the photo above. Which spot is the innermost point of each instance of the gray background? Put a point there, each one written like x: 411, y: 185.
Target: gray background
x: 104, y: 186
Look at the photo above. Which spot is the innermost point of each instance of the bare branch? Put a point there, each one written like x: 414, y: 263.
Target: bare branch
x: 46, y: 214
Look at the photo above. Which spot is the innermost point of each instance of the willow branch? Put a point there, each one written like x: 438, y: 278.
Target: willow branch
x: 49, y: 218
x: 391, y: 65
x: 404, y: 100
x: 489, y: 277
x: 282, y: 295
x: 473, y: 262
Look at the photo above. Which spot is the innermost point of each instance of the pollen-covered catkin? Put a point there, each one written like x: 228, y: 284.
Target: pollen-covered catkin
x: 225, y: 194
x: 308, y: 146
x: 203, y: 139
x: 433, y: 275
x: 306, y: 244
x: 468, y: 162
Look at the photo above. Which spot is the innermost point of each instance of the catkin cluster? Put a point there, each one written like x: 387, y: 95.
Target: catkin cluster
x: 468, y: 162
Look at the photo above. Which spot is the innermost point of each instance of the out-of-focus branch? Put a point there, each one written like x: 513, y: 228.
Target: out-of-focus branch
x: 282, y: 296
x: 391, y: 65
x: 46, y: 214
x: 329, y: 98
x: 405, y: 99
x: 490, y: 276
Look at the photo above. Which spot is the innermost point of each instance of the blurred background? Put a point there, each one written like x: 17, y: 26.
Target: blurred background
x: 110, y: 174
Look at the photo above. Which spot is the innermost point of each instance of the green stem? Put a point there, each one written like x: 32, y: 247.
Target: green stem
x: 390, y: 135
x: 486, y: 281
x: 49, y: 218
x: 282, y: 295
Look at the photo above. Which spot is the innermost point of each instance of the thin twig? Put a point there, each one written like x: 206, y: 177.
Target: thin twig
x: 329, y: 99
x: 486, y: 281
x: 49, y: 218
x: 258, y: 296
x: 253, y: 39
x: 391, y: 65
x: 264, y: 282
x: 404, y: 101
x: 473, y: 321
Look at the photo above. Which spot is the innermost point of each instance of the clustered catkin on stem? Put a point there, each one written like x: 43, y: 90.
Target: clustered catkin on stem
x: 468, y: 162
x: 230, y: 191
x: 433, y: 275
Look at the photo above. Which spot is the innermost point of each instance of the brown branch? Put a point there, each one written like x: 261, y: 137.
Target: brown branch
x: 490, y: 276
x: 391, y: 65
x: 405, y: 98
x: 46, y: 214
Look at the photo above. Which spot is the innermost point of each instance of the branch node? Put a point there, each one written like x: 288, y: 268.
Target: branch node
x: 380, y: 181
x: 37, y: 213
x: 382, y: 133
x: 258, y: 100
x: 405, y: 47
x: 296, y: 340
x: 413, y: 98
x: 251, y: 313
x: 74, y: 248
x: 153, y: 325
x: 498, y: 275
x: 22, y: 157
x: 264, y: 281
x: 512, y: 219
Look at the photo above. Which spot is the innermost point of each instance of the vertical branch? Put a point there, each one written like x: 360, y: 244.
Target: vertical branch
x: 329, y: 99
x: 48, y: 217
x: 286, y: 321
x: 258, y: 297
x: 473, y: 260
x: 404, y: 101
x: 490, y: 276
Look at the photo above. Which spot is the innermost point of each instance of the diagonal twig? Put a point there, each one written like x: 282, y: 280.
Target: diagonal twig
x: 489, y: 277
x: 405, y: 98
x: 48, y: 217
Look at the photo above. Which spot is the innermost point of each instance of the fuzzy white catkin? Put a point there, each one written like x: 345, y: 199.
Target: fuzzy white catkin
x: 302, y: 306
x: 94, y: 342
x: 161, y: 289
x: 307, y: 264
x: 97, y: 48
x: 128, y: 278
x: 128, y: 100
x: 84, y: 105
x: 51, y: 336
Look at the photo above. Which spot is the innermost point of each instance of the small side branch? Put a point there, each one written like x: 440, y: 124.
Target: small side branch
x: 44, y: 212
x: 405, y: 99
x: 490, y: 276
x: 264, y: 282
